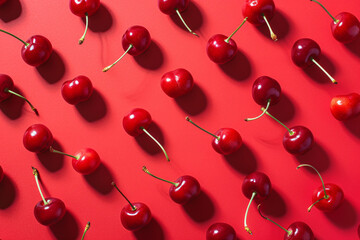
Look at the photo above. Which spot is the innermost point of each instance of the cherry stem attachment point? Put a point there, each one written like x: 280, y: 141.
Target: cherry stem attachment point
x: 247, y: 211
x: 20, y: 96
x: 81, y: 40
x: 147, y: 171
x: 254, y: 118
x: 183, y: 21
x: 289, y: 232
x: 58, y: 152
x: 25, y: 43
x: 288, y: 129
x: 110, y: 66
x: 190, y: 121
x: 36, y: 174
x: 228, y: 39
x: 85, y: 230
x: 132, y: 206
x: 322, y: 69
x: 272, y: 34
x: 157, y: 142
x: 335, y: 20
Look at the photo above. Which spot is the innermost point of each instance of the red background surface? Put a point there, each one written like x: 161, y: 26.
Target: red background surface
x: 221, y: 98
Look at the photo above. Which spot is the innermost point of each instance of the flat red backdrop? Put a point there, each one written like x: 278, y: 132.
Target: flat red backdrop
x: 221, y: 98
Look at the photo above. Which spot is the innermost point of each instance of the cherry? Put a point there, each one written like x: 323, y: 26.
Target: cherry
x: 1, y: 174
x: 38, y: 138
x: 305, y: 52
x: 50, y: 210
x: 2, y: 2
x: 327, y: 197
x: 220, y: 231
x: 134, y: 216
x: 171, y: 7
x: 7, y: 89
x: 85, y: 230
x: 84, y: 8
x: 183, y: 189
x: 256, y: 186
x: 77, y: 90
x: 177, y: 83
x: 135, y: 41
x: 226, y: 140
x: 345, y: 26
x: 137, y: 122
x: 344, y: 107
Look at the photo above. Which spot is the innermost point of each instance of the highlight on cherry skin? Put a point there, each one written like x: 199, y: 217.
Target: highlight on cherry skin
x: 177, y: 83
x: 220, y: 231
x: 345, y: 106
x: 77, y: 90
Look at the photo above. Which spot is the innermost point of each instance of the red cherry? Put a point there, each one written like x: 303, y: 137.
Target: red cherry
x: 37, y: 50
x: 1, y: 174
x: 220, y: 231
x: 345, y: 106
x: 77, y: 90
x: 38, y: 138
x: 298, y: 141
x: 219, y: 50
x: 81, y: 7
x: 87, y: 161
x: 2, y: 2
x: 266, y: 89
x: 177, y: 83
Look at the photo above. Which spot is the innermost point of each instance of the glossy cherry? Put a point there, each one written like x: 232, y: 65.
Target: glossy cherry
x: 2, y: 2
x: 220, y: 231
x: 38, y: 138
x: 344, y: 107
x: 134, y: 216
x: 77, y: 90
x: 183, y: 189
x: 225, y: 141
x: 220, y: 51
x: 48, y: 211
x: 298, y: 140
x: 326, y: 197
x: 135, y: 41
x: 1, y: 174
x: 177, y: 83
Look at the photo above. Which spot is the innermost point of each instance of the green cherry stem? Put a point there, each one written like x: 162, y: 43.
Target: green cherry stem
x: 147, y: 171
x: 20, y: 96
x: 132, y: 206
x: 110, y: 66
x: 85, y: 230
x: 187, y: 27
x: 289, y: 232
x: 288, y: 129
x: 157, y: 142
x: 265, y: 109
x: 335, y: 20
x: 322, y: 69
x: 25, y: 43
x: 81, y: 40
x: 228, y: 39
x: 190, y: 121
x: 272, y: 34
x: 36, y: 174
x: 247, y: 211
x: 58, y: 152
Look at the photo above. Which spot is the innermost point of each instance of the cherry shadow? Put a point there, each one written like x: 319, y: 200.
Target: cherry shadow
x: 152, y: 231
x: 279, y: 24
x: 192, y: 16
x: 317, y: 157
x: 152, y: 58
x: 274, y: 205
x: 242, y: 160
x: 66, y: 229
x: 354, y: 47
x: 101, y: 179
x: 238, y: 68
x: 13, y: 106
x: 201, y: 208
x: 345, y: 216
x: 94, y: 108
x: 193, y: 103
x: 10, y: 10
x: 53, y: 69
x: 52, y: 161
x: 319, y: 76
x: 284, y: 110
x: 147, y: 144
x: 101, y: 20
x: 7, y: 192
x: 353, y: 126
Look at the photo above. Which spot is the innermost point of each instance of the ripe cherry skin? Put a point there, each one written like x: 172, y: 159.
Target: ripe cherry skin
x: 80, y: 7
x: 230, y: 141
x: 345, y: 106
x: 187, y: 189
x: 254, y: 10
x: 133, y: 122
x: 38, y: 138
x: 87, y: 161
x: 169, y: 7
x: 256, y: 182
x: 1, y: 173
x: 77, y: 90
x: 220, y: 231
x: 50, y: 213
x: 134, y: 220
x: 299, y: 231
x: 265, y: 88
x: 300, y: 142
x: 37, y: 52
x: 2, y: 2
x: 177, y: 83
x: 347, y: 29
x: 336, y: 196
x: 138, y: 37
x: 303, y: 51
x: 220, y: 51
x: 5, y: 83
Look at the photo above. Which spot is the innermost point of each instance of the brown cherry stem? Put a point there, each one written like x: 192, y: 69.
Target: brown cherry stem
x: 132, y: 206
x: 36, y: 174
x: 81, y: 40
x: 254, y: 118
x: 289, y: 232
x: 228, y: 39
x: 322, y: 69
x: 190, y: 121
x: 288, y: 129
x: 157, y: 142
x: 147, y: 171
x: 25, y: 43
x: 85, y: 230
x: 272, y: 34
x: 59, y: 152
x: 334, y: 19
x: 247, y: 211
x: 183, y: 21
x: 20, y: 96
x: 110, y: 66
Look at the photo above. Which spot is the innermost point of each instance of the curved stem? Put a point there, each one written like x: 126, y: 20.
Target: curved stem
x: 110, y: 66
x: 227, y: 40
x: 327, y: 74
x: 132, y: 206
x: 85, y: 230
x: 147, y: 171
x: 335, y: 20
x: 20, y: 96
x: 190, y: 121
x: 265, y: 109
x: 156, y: 141
x: 311, y: 206
x: 25, y: 43
x: 289, y: 232
x: 58, y: 152
x: 288, y: 129
x: 81, y: 40
x: 272, y: 34
x: 187, y: 27
x: 36, y: 174
x: 247, y: 211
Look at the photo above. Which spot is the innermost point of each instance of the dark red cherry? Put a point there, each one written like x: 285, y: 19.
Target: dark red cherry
x: 299, y: 142
x: 50, y: 213
x: 177, y: 83
x: 335, y: 197
x: 186, y: 188
x: 136, y: 219
x: 38, y: 138
x: 346, y: 29
x: 37, y: 51
x: 81, y: 7
x: 299, y: 231
x: 169, y: 7
x: 255, y: 10
x: 220, y: 231
x: 228, y: 141
x: 87, y: 161
x: 257, y: 182
x: 138, y: 37
x: 220, y: 51
x: 264, y: 89
x: 303, y: 51
x: 77, y: 90
x: 137, y: 120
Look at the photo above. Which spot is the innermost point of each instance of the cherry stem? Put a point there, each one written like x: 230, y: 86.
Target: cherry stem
x: 187, y: 27
x: 58, y: 152
x: 36, y: 174
x: 272, y: 34
x: 254, y: 118
x: 157, y: 142
x: 327, y: 74
x: 20, y: 96
x: 81, y: 40
x: 147, y: 171
x: 228, y: 39
x: 110, y: 66
x: 289, y: 232
x: 288, y: 129
x: 25, y: 43
x: 85, y: 230
x: 132, y: 206
x: 335, y: 20
x: 247, y: 211
x: 190, y: 121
